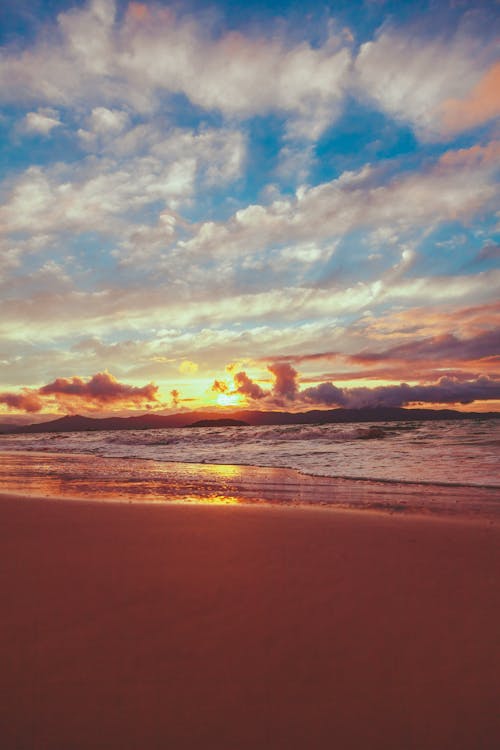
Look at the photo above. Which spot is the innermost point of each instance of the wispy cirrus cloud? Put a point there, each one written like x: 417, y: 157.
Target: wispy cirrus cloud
x: 445, y: 348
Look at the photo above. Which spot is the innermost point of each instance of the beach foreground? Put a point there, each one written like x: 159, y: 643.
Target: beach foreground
x: 174, y: 627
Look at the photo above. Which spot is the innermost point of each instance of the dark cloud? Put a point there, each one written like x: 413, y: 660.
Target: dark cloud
x: 299, y: 358
x: 325, y: 393
x: 489, y: 251
x: 247, y: 387
x: 445, y: 391
x: 444, y: 347
x: 285, y: 383
x: 399, y: 372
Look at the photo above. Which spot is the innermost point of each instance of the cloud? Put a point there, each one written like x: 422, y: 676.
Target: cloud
x: 247, y: 387
x: 27, y: 401
x: 100, y: 390
x: 445, y: 347
x: 220, y: 386
x: 42, y: 122
x: 455, y: 387
x: 458, y: 185
x: 475, y: 156
x: 104, y: 120
x: 478, y: 106
x: 300, y: 358
x: 152, y: 51
x: 428, y: 82
x: 109, y: 194
x: 489, y: 251
x: 283, y: 390
x: 446, y: 391
x: 428, y: 322
x: 285, y: 385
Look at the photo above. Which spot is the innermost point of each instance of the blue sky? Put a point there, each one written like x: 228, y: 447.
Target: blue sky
x: 195, y: 190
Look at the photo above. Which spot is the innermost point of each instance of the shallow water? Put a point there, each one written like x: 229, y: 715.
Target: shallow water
x: 80, y: 476
x: 441, y: 467
x: 464, y: 452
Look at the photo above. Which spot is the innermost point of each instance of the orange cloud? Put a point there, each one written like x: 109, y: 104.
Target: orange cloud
x: 137, y: 11
x: 101, y: 389
x: 284, y: 386
x: 426, y: 322
x: 219, y: 386
x: 475, y: 156
x: 27, y: 401
x: 481, y: 105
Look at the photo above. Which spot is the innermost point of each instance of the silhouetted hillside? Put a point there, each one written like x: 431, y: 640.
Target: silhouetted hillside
x: 77, y: 423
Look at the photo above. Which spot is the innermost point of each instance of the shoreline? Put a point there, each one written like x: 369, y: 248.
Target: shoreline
x: 73, y: 475
x: 262, y: 467
x: 132, y: 625
x: 241, y: 505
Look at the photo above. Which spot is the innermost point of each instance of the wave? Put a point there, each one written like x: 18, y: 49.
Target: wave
x: 461, y: 454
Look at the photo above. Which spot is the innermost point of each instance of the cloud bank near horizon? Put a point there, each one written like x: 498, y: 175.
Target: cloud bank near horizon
x: 69, y: 395
x: 104, y: 391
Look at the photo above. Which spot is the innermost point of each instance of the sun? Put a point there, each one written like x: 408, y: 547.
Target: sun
x: 227, y: 399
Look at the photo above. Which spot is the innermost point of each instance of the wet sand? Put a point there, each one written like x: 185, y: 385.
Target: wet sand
x: 239, y: 628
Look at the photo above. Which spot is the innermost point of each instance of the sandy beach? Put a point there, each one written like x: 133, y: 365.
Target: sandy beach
x: 139, y: 626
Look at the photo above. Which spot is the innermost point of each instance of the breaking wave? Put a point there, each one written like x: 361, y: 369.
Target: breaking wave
x: 459, y: 452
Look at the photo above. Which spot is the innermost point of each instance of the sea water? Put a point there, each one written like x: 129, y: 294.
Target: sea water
x: 419, y: 464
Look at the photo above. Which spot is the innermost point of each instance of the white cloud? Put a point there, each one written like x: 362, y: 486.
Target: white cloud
x: 43, y: 121
x: 457, y: 186
x: 93, y: 59
x: 104, y: 193
x: 411, y: 77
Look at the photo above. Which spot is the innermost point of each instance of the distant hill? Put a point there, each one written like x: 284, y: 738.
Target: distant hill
x: 77, y: 423
x: 219, y: 423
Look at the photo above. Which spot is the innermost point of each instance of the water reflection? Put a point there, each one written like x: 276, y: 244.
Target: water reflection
x: 81, y: 476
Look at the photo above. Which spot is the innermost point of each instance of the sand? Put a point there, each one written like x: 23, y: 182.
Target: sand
x: 148, y: 627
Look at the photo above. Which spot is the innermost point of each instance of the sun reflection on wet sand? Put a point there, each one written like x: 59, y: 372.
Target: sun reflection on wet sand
x: 210, y: 500
x: 85, y: 477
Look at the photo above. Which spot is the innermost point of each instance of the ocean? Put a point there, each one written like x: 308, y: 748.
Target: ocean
x: 427, y: 466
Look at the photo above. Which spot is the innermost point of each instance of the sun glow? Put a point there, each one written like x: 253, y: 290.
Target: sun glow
x: 228, y: 399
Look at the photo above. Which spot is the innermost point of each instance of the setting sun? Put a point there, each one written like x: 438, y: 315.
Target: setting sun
x: 229, y: 399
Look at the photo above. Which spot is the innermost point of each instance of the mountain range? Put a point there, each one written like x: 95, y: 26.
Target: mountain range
x: 77, y: 423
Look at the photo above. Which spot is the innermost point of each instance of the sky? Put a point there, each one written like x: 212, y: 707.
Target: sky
x: 280, y: 205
